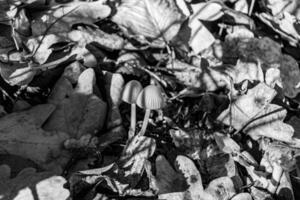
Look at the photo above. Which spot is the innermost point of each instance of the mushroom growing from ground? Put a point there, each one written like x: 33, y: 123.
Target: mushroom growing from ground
x: 130, y: 95
x: 149, y: 99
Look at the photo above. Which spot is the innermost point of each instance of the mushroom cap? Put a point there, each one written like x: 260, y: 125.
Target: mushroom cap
x: 131, y: 91
x: 150, y: 98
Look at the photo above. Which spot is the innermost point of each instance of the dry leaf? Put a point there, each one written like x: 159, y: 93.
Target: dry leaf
x: 156, y: 21
x: 245, y: 71
x: 120, y: 177
x: 21, y: 135
x: 167, y: 179
x: 41, y: 46
x: 17, y: 74
x: 290, y: 75
x: 205, y: 78
x: 221, y: 188
x: 62, y: 18
x: 226, y: 144
x: 267, y: 51
x: 175, y: 196
x: 278, y: 6
x: 190, y: 142
x: 32, y: 185
x: 282, y: 24
x: 272, y: 77
x: 194, y: 33
x: 78, y: 111
x: 85, y: 35
x: 193, y: 179
x: 282, y: 156
x: 208, y: 11
x: 242, y: 196
x: 268, y: 117
x: 220, y: 165
x: 114, y: 84
x: 242, y: 6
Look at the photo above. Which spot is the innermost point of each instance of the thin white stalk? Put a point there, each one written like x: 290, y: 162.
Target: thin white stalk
x: 145, y: 122
x: 133, y: 117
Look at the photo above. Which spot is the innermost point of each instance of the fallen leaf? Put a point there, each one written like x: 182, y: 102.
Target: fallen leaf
x: 120, y: 177
x: 245, y: 71
x: 267, y: 51
x: 278, y: 6
x: 272, y: 77
x: 32, y: 185
x: 205, y: 78
x: 221, y: 188
x: 40, y: 46
x: 242, y: 196
x: 21, y: 134
x: 282, y: 24
x: 257, y: 116
x: 114, y: 84
x: 167, y: 179
x: 290, y: 75
x: 78, y: 111
x: 17, y: 74
x: 208, y: 11
x: 226, y: 144
x: 61, y: 18
x: 155, y: 21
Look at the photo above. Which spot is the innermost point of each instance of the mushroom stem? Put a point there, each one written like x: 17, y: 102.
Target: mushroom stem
x: 145, y: 122
x: 133, y: 117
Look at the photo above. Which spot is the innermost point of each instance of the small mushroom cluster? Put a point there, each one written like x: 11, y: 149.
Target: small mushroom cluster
x: 148, y: 98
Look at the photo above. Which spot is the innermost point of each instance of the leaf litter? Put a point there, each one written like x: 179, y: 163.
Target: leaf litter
x: 215, y: 115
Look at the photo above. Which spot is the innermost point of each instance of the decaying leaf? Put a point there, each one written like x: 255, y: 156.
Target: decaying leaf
x: 221, y: 188
x: 120, y: 177
x: 245, y: 71
x: 34, y: 185
x: 17, y: 74
x: 155, y: 21
x: 279, y: 6
x: 257, y: 116
x: 282, y: 24
x: 78, y: 111
x: 205, y: 78
x: 21, y: 134
x: 198, y: 36
x: 226, y: 144
x: 60, y: 19
x: 167, y: 179
x: 40, y: 46
x: 290, y: 75
x: 273, y: 77
x: 114, y: 84
x: 208, y: 11
x: 252, y: 49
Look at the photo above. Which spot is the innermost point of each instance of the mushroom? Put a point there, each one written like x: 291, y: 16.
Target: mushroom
x: 130, y: 95
x: 150, y: 99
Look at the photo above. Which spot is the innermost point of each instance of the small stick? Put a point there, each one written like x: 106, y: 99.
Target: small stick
x: 251, y: 7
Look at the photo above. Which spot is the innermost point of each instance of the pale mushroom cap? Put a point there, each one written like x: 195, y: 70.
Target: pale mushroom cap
x: 150, y: 98
x: 131, y: 91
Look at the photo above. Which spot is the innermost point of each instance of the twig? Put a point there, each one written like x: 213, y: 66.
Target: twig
x: 256, y: 117
x: 251, y: 7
